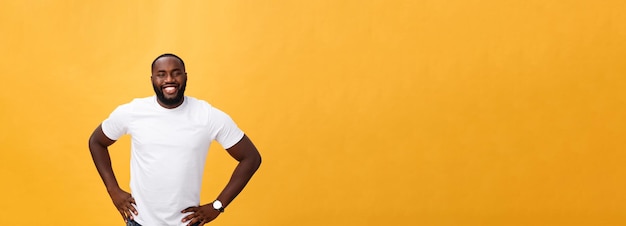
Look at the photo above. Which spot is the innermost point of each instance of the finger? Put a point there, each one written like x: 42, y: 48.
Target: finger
x: 189, y: 209
x: 189, y: 217
x: 129, y: 209
x: 133, y: 209
x: 192, y: 222
x: 130, y: 201
x: 127, y: 214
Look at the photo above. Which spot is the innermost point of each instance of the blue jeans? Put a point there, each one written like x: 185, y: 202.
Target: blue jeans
x: 134, y: 223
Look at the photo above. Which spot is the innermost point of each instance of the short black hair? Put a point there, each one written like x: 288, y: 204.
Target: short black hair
x: 168, y: 55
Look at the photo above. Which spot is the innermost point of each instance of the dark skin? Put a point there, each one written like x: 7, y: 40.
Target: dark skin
x: 169, y: 72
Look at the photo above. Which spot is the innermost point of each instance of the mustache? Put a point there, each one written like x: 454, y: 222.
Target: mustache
x: 170, y: 84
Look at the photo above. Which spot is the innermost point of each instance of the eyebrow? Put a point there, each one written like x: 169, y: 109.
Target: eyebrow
x: 175, y: 69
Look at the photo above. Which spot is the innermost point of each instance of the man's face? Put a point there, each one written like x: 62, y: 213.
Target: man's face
x: 169, y: 80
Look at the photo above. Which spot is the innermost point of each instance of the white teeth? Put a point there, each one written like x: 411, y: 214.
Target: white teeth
x: 169, y: 90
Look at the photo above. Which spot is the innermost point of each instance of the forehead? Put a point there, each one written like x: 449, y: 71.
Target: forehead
x: 167, y: 63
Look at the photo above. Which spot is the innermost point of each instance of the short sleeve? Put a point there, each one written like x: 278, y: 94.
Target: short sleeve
x: 227, y: 132
x: 116, y: 125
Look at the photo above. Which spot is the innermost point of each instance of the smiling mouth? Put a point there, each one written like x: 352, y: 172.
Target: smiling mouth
x: 170, y: 90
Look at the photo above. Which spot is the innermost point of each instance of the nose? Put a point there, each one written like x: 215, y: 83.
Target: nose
x: 169, y: 78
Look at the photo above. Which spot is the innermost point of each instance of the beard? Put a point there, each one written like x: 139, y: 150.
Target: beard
x: 170, y: 101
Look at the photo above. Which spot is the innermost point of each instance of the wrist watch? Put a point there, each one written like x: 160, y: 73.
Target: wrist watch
x: 217, y: 205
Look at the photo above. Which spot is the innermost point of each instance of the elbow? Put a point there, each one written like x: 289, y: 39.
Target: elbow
x: 92, y: 142
x: 257, y: 161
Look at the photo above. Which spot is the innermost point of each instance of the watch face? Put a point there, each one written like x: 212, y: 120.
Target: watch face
x: 217, y: 204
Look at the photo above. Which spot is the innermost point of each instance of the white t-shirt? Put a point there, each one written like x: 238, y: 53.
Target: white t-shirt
x: 168, y: 153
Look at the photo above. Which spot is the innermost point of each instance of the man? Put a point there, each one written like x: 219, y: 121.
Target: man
x: 171, y: 134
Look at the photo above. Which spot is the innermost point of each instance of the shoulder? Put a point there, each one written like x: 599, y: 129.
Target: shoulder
x: 194, y: 100
x: 143, y: 100
x: 136, y: 103
x: 197, y: 103
x: 203, y: 106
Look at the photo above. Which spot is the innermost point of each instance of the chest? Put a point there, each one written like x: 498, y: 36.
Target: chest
x: 170, y: 131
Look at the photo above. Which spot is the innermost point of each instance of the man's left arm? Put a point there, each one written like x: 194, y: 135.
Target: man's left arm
x: 249, y: 161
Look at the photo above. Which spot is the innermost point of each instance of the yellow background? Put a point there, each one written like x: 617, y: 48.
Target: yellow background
x: 425, y: 112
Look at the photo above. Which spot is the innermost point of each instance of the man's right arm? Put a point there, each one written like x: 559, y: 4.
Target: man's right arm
x: 98, y: 146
